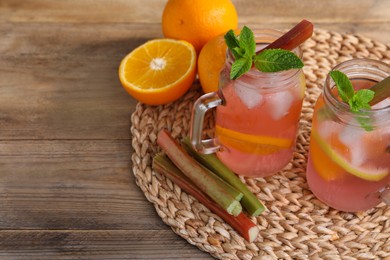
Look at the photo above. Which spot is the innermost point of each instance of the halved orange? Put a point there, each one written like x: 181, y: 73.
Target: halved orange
x: 253, y: 144
x: 159, y: 71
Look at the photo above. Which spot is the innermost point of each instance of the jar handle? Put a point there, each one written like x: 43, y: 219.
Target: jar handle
x: 201, y: 106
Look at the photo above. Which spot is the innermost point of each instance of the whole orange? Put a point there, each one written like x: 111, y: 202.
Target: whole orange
x: 210, y: 62
x: 198, y: 21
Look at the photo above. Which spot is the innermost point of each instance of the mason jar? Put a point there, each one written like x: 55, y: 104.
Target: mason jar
x: 349, y: 156
x: 257, y: 116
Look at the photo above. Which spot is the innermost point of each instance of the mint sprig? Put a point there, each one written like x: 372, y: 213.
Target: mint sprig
x: 243, y: 49
x: 357, y: 101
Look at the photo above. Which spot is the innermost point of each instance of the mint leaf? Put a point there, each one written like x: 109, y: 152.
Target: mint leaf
x: 357, y: 101
x: 344, y: 85
x: 240, y: 67
x: 365, y: 95
x: 247, y: 42
x: 243, y: 49
x: 273, y: 60
x: 231, y: 40
x: 232, y: 43
x: 361, y: 99
x: 239, y: 53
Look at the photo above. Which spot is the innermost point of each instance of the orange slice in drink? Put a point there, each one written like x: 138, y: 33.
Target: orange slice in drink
x: 159, y: 71
x: 330, y: 164
x: 248, y: 143
x: 323, y: 164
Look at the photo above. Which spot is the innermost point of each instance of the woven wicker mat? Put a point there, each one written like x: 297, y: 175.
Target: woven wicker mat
x: 296, y: 224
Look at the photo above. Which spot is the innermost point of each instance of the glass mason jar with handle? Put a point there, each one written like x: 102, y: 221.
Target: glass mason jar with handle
x: 257, y: 116
x: 349, y: 156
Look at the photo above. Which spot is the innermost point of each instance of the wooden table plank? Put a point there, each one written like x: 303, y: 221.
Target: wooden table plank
x: 71, y: 11
x: 71, y: 185
x: 331, y: 11
x: 105, y: 245
x: 123, y: 11
x: 61, y: 82
x: 367, y: 17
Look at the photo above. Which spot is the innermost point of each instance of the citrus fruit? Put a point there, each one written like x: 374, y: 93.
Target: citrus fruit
x: 198, y: 21
x: 248, y: 143
x: 333, y: 157
x: 210, y: 62
x: 159, y: 71
x: 323, y: 163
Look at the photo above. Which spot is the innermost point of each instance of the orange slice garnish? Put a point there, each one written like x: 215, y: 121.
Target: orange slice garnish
x: 330, y: 164
x: 248, y: 143
x: 322, y: 163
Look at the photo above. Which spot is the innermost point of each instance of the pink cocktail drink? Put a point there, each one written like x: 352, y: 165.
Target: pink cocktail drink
x: 257, y: 127
x: 349, y: 158
x: 257, y: 116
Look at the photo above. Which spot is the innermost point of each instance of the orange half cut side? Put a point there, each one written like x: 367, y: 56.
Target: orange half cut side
x: 159, y: 71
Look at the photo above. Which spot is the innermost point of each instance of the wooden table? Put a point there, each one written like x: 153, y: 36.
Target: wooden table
x: 66, y: 185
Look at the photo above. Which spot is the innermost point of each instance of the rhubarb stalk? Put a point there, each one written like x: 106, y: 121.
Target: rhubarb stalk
x: 382, y: 91
x: 250, y: 202
x: 241, y: 223
x: 217, y: 189
x: 293, y: 38
x: 237, y: 194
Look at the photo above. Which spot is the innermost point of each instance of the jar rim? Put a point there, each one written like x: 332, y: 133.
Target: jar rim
x: 349, y: 66
x: 357, y: 68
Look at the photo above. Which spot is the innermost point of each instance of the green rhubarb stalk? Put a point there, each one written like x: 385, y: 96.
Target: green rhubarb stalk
x: 382, y: 91
x: 250, y: 202
x: 238, y: 195
x: 241, y: 223
x: 215, y: 189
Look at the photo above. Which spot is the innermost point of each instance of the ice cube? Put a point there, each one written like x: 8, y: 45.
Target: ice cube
x: 350, y: 134
x: 280, y: 104
x: 326, y: 128
x: 352, y: 137
x: 249, y: 96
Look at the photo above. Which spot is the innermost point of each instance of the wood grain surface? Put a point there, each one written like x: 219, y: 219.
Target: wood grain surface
x: 66, y: 186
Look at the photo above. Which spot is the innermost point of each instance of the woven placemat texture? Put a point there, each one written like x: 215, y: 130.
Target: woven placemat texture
x: 296, y: 224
